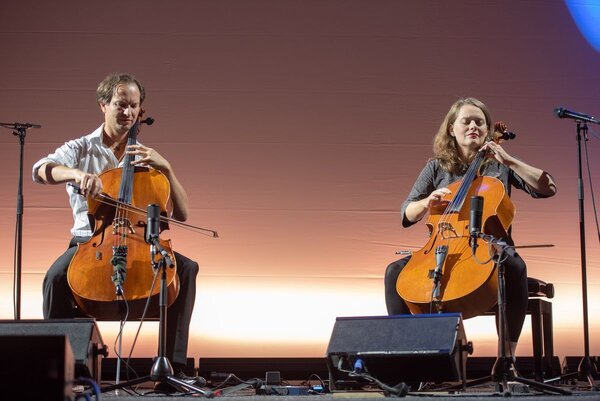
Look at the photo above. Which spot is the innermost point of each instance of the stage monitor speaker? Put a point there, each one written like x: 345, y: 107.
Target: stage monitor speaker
x: 84, y: 338
x: 37, y: 367
x: 400, y: 348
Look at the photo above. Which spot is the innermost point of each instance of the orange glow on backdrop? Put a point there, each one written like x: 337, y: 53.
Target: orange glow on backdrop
x: 298, y: 129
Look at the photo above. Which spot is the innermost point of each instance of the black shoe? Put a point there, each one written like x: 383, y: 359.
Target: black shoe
x: 168, y: 388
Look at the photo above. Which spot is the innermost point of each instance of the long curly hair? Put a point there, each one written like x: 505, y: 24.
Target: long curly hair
x: 445, y: 149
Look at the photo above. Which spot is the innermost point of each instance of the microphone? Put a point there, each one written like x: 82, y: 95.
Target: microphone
x: 561, y: 112
x: 475, y: 220
x: 152, y: 223
x: 152, y: 232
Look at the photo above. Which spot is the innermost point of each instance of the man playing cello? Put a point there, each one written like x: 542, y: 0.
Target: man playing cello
x: 81, y: 161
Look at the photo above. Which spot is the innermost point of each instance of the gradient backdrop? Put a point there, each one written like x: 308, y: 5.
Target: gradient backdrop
x: 298, y: 128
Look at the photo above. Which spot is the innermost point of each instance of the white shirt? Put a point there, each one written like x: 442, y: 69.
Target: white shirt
x: 90, y: 155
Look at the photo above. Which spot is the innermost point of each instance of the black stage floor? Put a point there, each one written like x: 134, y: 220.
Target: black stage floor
x: 483, y: 392
x: 309, y: 388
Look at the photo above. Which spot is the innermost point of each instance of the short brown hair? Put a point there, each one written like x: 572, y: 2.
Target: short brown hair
x: 106, y: 88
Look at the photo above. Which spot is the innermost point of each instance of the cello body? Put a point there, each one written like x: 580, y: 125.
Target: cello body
x: 467, y: 286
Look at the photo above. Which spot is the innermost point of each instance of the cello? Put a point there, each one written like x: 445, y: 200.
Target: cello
x: 115, y: 264
x: 446, y: 273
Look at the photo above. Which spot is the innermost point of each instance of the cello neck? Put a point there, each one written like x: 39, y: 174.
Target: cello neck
x: 456, y: 204
x: 126, y: 186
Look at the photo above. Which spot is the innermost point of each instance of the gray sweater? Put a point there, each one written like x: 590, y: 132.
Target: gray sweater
x: 433, y: 176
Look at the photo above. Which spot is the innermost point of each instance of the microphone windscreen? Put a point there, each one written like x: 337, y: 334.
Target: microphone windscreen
x: 476, y: 214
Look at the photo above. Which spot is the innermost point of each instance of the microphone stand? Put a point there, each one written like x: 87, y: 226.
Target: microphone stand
x: 161, y: 370
x: 586, y: 369
x: 503, y: 370
x: 20, y: 130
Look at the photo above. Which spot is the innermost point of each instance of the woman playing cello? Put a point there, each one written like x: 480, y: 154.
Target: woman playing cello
x: 81, y: 161
x: 464, y: 132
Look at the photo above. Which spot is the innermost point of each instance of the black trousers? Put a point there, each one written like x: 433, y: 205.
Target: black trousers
x: 515, y: 278
x: 58, y: 300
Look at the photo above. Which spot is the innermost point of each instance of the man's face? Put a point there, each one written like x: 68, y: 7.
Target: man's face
x: 123, y: 110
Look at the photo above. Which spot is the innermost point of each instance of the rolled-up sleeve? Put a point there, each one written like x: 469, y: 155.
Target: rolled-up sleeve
x: 67, y: 155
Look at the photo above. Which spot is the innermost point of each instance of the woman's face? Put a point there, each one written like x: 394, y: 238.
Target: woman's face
x: 469, y: 129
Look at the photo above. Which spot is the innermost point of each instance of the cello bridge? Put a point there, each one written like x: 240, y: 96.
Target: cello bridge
x: 122, y: 222
x: 445, y: 227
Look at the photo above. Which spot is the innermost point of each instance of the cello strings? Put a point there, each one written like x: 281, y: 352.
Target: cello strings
x: 125, y: 194
x: 131, y: 140
x: 457, y: 201
x: 127, y: 186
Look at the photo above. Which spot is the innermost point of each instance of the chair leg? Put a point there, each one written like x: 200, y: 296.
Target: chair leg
x: 537, y: 337
x: 546, y: 308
